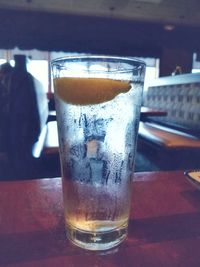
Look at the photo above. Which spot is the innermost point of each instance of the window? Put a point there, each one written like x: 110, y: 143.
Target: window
x: 2, y: 61
x: 40, y: 70
x: 196, y: 63
x: 39, y: 65
x: 152, y: 70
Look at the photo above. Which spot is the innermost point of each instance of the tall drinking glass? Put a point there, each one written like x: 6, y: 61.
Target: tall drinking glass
x: 98, y: 100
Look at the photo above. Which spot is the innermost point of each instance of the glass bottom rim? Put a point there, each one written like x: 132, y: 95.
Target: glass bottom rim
x: 96, y: 240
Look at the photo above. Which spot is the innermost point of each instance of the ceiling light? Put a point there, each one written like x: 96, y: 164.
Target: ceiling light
x: 169, y: 27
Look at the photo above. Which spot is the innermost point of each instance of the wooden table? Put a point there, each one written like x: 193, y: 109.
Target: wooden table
x: 146, y: 112
x: 164, y: 227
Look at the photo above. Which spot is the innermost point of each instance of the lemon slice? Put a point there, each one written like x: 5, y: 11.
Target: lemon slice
x: 86, y: 91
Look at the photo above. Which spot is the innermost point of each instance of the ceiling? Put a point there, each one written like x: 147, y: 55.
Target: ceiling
x: 128, y: 27
x: 184, y: 12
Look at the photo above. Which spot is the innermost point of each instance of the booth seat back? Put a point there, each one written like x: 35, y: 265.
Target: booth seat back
x: 180, y: 97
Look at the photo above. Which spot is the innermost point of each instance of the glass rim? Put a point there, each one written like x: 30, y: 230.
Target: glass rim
x: 128, y: 59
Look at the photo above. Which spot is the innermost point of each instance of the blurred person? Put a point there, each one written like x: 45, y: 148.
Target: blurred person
x: 24, y: 120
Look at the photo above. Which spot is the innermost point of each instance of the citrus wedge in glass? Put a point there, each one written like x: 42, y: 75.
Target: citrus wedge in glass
x: 88, y: 91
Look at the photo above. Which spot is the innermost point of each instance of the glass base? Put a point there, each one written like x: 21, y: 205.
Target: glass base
x: 96, y: 241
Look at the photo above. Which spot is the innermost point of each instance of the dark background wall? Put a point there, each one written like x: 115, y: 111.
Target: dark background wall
x: 76, y: 33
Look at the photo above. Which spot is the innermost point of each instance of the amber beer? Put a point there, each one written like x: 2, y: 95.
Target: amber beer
x: 98, y: 110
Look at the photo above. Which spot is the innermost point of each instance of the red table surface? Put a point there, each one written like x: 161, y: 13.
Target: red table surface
x: 164, y: 228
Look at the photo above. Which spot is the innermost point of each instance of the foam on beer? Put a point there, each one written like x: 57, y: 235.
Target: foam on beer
x: 86, y: 91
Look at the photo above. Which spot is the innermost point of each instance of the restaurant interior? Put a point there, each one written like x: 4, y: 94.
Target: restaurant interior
x: 154, y: 210
x: 163, y: 33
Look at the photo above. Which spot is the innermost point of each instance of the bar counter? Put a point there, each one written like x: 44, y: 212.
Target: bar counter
x: 164, y: 228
